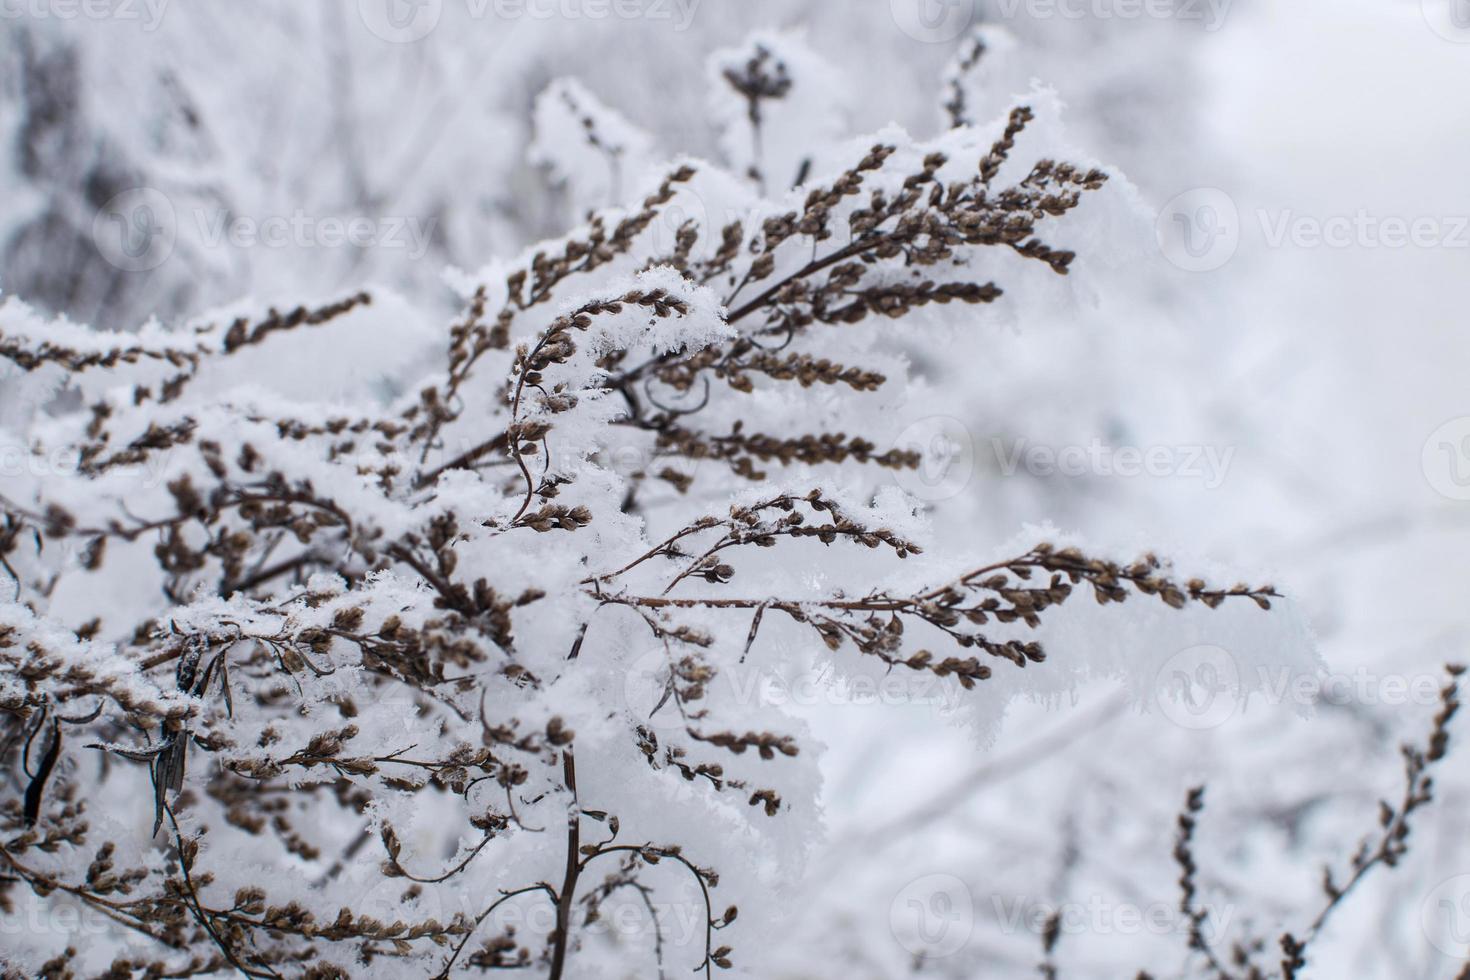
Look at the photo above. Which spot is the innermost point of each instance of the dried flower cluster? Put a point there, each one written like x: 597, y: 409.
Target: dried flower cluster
x: 353, y: 699
x: 1249, y: 957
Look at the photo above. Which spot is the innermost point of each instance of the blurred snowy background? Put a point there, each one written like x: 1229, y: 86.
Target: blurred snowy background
x: 1270, y: 377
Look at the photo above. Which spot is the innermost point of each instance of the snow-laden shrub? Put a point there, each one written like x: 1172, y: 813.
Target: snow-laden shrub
x: 334, y: 653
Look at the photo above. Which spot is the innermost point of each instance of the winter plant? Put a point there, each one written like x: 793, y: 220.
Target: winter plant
x: 1250, y: 957
x: 330, y: 655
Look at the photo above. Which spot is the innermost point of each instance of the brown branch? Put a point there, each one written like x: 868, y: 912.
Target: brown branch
x: 562, y: 936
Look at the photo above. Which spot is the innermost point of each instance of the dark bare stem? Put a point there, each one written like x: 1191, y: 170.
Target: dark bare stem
x: 573, y: 869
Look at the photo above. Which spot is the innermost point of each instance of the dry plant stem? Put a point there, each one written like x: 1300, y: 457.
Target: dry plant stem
x: 1050, y: 933
x: 1394, y: 823
x: 196, y: 908
x: 1184, y: 857
x: 284, y: 715
x: 469, y: 934
x: 1386, y: 850
x: 956, y: 104
x: 573, y: 869
x: 877, y: 604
